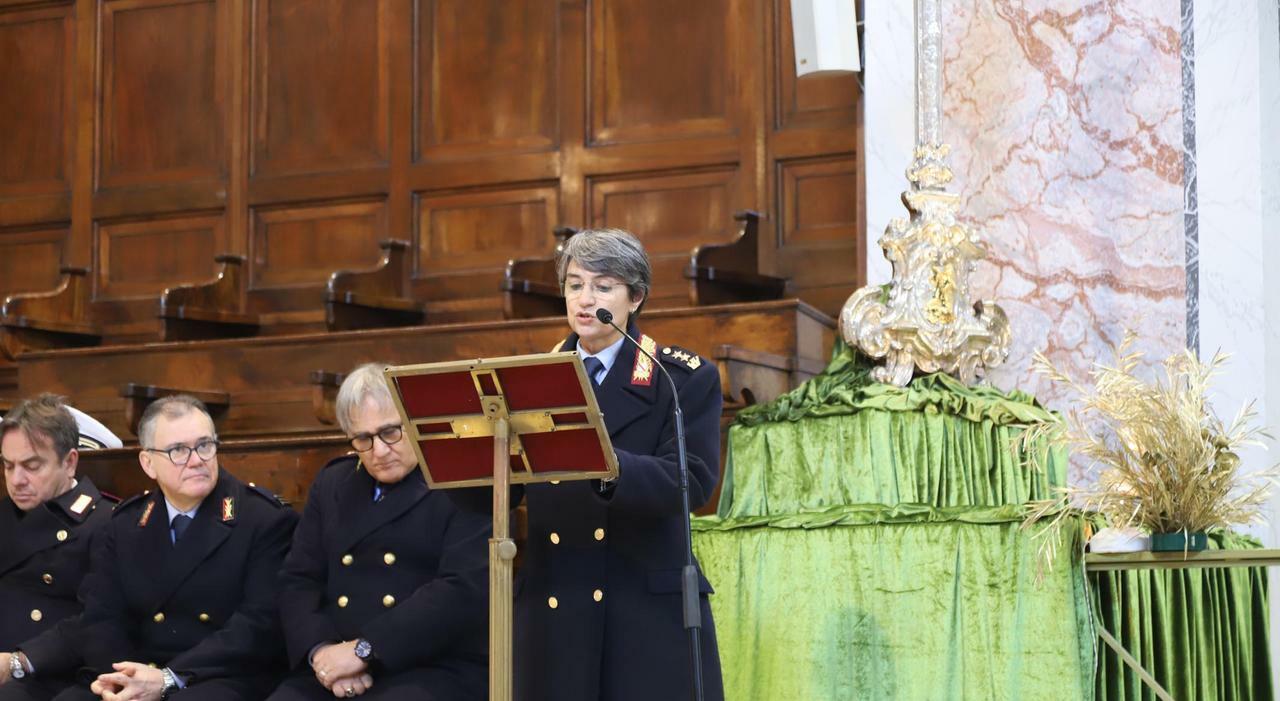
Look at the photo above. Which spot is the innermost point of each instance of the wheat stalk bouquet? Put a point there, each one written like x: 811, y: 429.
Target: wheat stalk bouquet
x: 1160, y: 458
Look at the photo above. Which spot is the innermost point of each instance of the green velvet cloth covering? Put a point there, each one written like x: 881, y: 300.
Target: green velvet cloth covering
x: 893, y: 603
x: 1201, y: 632
x: 868, y: 545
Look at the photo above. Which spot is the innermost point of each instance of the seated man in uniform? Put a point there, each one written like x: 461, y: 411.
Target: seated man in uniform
x: 45, y: 528
x: 182, y: 587
x: 385, y: 591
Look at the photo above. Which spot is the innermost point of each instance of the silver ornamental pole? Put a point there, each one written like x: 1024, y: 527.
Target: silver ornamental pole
x: 924, y: 320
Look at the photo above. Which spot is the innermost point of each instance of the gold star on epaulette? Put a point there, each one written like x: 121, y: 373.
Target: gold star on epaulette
x: 691, y: 360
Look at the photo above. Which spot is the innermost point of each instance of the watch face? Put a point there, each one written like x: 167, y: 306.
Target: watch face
x: 363, y: 648
x: 16, y: 670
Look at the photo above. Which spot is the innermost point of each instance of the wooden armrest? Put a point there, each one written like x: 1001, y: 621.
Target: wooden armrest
x: 324, y: 394
x: 138, y: 397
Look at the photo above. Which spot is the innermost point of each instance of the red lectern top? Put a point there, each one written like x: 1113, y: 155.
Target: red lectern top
x: 556, y: 428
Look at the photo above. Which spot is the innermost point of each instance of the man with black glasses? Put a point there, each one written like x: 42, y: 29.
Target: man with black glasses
x: 181, y: 592
x: 385, y: 592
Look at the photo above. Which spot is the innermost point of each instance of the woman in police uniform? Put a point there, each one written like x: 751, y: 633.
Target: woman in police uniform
x: 598, y: 609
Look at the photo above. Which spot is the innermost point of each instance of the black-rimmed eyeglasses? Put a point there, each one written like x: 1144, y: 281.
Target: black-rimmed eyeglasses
x: 390, y: 435
x: 181, y: 454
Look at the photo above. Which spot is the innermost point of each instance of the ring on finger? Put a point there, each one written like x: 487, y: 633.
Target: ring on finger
x: 350, y: 692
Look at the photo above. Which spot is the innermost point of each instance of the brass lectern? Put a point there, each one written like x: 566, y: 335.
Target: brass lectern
x: 498, y: 422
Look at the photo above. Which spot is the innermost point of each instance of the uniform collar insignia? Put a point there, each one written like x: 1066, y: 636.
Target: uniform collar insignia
x: 642, y: 373
x: 82, y: 502
x: 228, y: 509
x: 146, y: 514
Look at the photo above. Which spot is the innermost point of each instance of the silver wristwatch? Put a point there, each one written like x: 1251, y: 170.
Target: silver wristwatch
x: 170, y: 683
x: 16, y: 670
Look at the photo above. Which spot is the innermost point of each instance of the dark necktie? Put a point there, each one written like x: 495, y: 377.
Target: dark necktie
x: 179, y: 526
x: 593, y: 366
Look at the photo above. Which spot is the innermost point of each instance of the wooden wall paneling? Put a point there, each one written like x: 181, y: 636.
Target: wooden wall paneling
x: 574, y: 47
x: 321, y: 85
x: 662, y: 69
x: 139, y: 259
x: 295, y: 247
x: 30, y: 258
x: 821, y: 225
x: 488, y: 71
x: 165, y: 85
x: 37, y: 58
x: 815, y: 189
x: 812, y: 101
x: 464, y: 240
x: 670, y: 212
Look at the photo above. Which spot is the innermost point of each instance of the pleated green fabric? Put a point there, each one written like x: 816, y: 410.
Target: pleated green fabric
x: 894, y: 603
x: 1202, y: 633
x: 867, y: 546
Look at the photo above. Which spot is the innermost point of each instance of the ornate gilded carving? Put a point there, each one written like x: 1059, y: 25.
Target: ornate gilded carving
x: 924, y: 317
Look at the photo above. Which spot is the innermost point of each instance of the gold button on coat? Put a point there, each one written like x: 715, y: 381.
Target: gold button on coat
x: 555, y: 538
x: 158, y: 618
x: 62, y: 535
x: 553, y: 602
x: 555, y: 482
x: 342, y: 602
x: 47, y: 578
x: 347, y: 560
x: 597, y: 595
x: 388, y: 601
x: 204, y: 618
x: 36, y: 615
x: 599, y: 534
x: 389, y: 558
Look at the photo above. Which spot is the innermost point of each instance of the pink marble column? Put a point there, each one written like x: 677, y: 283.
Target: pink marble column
x: 1066, y: 123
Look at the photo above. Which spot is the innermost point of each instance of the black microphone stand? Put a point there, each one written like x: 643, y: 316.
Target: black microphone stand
x: 689, y: 576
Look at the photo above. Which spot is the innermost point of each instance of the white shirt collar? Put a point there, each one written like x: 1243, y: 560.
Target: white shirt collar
x: 606, y: 356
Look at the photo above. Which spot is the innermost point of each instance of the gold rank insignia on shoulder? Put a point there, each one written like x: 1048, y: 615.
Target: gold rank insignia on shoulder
x: 228, y: 509
x: 146, y: 514
x: 82, y: 502
x: 642, y: 373
x: 691, y: 360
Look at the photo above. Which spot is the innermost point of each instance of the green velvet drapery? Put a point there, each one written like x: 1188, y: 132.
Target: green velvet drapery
x: 867, y: 546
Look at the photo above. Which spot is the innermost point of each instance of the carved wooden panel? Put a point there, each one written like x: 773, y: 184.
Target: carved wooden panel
x: 36, y: 62
x: 819, y: 200
x: 29, y: 260
x: 300, y: 245
x: 669, y: 212
x: 140, y: 258
x: 488, y: 72
x: 163, y: 91
x: 321, y: 93
x: 812, y: 100
x: 661, y: 69
x: 461, y: 232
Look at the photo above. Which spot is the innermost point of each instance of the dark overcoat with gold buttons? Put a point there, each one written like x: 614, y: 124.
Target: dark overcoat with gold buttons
x: 409, y: 573
x: 44, y: 554
x: 206, y: 606
x: 598, y: 611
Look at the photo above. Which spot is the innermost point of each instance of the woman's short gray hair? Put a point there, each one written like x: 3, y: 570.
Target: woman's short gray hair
x: 362, y: 384
x: 610, y: 252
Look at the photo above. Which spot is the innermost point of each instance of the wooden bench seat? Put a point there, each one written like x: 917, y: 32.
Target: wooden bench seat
x: 270, y: 383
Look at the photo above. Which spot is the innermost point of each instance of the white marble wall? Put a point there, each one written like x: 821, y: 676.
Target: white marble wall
x: 1238, y: 149
x: 1066, y: 117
